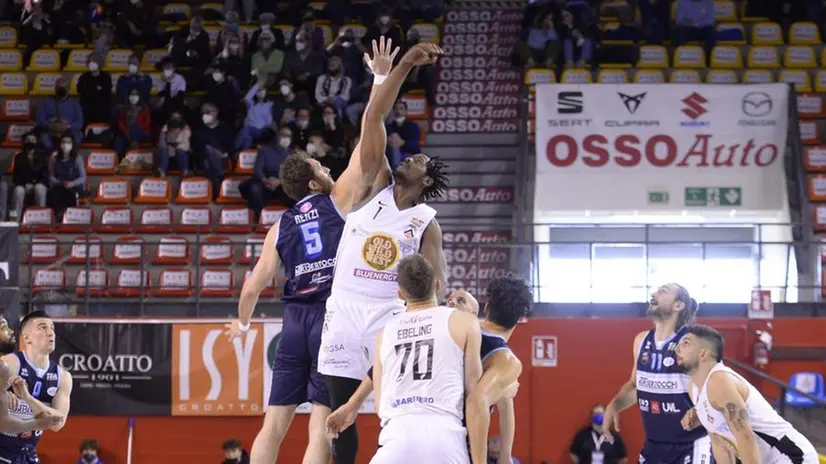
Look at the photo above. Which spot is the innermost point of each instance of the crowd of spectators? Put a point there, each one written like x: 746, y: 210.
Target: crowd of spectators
x: 260, y: 90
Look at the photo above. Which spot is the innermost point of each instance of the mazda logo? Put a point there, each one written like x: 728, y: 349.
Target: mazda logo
x: 757, y: 104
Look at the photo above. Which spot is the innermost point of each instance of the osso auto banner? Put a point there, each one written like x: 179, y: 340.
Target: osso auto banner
x: 660, y: 147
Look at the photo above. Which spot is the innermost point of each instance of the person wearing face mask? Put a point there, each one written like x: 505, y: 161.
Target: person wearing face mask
x: 94, y: 88
x: 332, y: 159
x: 403, y: 136
x: 134, y: 22
x: 232, y: 58
x: 190, y: 48
x: 267, y: 59
x: 590, y: 446
x: 58, y: 115
x: 302, y: 127
x: 334, y: 87
x: 133, y: 79
x: 383, y: 26
x: 287, y: 104
x: 264, y: 185
x: 67, y: 177
x: 174, y: 146
x: 89, y: 452
x: 315, y: 36
x: 259, y: 115
x: 171, y: 88
x: 29, y: 177
x: 268, y: 27
x: 303, y: 65
x: 212, y: 145
x: 134, y: 124
x: 231, y: 29
x: 223, y: 92
x: 332, y: 127
x: 349, y: 50
x: 234, y: 453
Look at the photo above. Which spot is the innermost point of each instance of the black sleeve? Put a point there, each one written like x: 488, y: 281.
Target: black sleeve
x: 576, y: 444
x: 619, y: 447
x: 370, y: 373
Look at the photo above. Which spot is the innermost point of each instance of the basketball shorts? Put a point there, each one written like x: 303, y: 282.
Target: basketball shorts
x: 348, y: 340
x: 696, y: 452
x: 422, y: 439
x: 18, y: 456
x: 295, y: 377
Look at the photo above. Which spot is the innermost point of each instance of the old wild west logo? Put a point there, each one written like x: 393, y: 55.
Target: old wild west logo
x: 212, y: 376
x: 380, y: 251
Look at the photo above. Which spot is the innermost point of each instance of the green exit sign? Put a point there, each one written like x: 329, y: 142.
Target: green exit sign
x: 713, y: 196
x: 657, y: 197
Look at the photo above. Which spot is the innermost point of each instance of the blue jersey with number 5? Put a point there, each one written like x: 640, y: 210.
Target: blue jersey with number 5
x: 307, y: 244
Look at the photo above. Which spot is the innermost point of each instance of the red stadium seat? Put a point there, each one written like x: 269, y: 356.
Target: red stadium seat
x: 129, y: 284
x: 128, y: 250
x: 235, y: 220
x: 174, y: 283
x: 217, y: 283
x: 97, y: 283
x: 84, y: 249
x: 195, y: 219
x: 156, y: 220
x: 173, y: 250
x: 217, y: 250
x: 115, y: 220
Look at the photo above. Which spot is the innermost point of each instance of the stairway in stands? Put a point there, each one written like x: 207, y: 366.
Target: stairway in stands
x: 474, y: 127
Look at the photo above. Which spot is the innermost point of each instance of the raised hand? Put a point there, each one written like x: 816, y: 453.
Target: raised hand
x: 382, y: 61
x: 423, y: 53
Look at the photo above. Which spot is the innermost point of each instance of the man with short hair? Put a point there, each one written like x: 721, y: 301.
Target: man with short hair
x: 90, y: 452
x: 234, y: 453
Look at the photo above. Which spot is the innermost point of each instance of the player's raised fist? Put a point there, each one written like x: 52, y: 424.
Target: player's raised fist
x: 423, y: 53
x: 382, y: 61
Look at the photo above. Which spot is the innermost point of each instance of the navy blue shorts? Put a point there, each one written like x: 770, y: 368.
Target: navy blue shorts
x: 18, y: 456
x: 295, y: 377
x: 696, y: 452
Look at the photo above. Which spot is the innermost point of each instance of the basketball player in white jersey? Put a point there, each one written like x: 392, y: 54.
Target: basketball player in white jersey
x: 741, y: 423
x: 427, y: 361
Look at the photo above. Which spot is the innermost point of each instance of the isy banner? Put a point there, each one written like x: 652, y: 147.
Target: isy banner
x: 663, y: 147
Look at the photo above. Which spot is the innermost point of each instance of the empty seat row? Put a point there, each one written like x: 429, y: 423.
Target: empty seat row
x: 169, y: 250
x: 726, y: 57
x: 760, y: 33
x: 172, y: 282
x: 153, y: 220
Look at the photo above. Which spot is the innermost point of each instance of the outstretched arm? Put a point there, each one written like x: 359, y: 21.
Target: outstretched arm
x: 434, y: 253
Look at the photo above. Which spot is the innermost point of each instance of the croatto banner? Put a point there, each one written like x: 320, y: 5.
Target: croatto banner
x: 475, y: 258
x: 477, y: 89
x: 660, y: 147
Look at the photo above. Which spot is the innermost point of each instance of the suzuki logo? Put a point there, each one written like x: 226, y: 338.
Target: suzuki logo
x: 757, y: 104
x: 695, y: 103
x: 632, y: 102
x: 569, y: 102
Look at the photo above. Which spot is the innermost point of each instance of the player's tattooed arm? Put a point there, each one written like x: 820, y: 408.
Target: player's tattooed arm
x: 723, y: 453
x: 724, y: 396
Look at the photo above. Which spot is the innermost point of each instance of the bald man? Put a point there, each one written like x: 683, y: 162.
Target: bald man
x: 509, y: 299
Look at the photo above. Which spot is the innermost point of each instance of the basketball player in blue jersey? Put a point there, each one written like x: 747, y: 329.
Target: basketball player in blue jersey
x: 660, y: 387
x: 306, y: 240
x: 41, y: 385
x: 509, y: 299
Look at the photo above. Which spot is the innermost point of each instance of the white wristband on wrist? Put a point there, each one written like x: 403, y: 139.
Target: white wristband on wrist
x: 378, y: 79
x: 244, y: 327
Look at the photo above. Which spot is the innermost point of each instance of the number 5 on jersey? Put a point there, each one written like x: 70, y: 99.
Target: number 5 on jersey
x: 416, y: 348
x: 312, y: 240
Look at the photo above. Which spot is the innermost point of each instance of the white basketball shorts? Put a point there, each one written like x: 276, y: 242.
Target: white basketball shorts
x: 422, y: 439
x: 348, y: 340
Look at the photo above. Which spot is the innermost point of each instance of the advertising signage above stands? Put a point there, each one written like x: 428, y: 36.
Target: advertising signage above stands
x: 477, y: 90
x: 638, y: 147
x: 470, y: 264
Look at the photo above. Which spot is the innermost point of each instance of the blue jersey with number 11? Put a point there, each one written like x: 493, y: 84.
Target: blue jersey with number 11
x: 307, y: 244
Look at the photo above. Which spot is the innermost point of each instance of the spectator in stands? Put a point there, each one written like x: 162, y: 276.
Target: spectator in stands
x: 267, y: 26
x: 103, y: 35
x: 94, y: 88
x: 542, y: 46
x: 301, y: 128
x: 589, y: 444
x: 133, y: 79
x: 314, y: 34
x: 358, y: 99
x: 578, y: 49
x: 421, y: 77
x: 30, y: 176
x: 59, y: 115
x: 133, y: 124
x: 656, y: 23
x: 67, y: 177
x: 212, y: 145
x: 334, y: 87
x: 303, y: 65
x: 346, y: 47
x: 426, y: 10
x: 190, y: 48
x: 230, y: 29
x: 694, y: 22
x: 235, y: 63
x: 233, y: 452
x: 34, y: 34
x: 89, y: 452
x: 135, y: 24
x: 383, y: 27
x: 223, y: 92
x: 264, y: 184
x: 627, y: 29
x: 333, y: 129
x: 171, y: 87
x: 67, y: 20
x: 495, y: 450
x: 287, y: 105
x: 267, y: 59
x: 332, y: 158
x: 402, y: 136
x: 259, y: 116
x: 174, y: 146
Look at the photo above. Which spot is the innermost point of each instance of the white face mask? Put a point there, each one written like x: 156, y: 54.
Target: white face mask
x: 235, y: 47
x: 311, y: 149
x: 218, y: 77
x: 285, y: 90
x: 299, y: 46
x: 399, y: 119
x: 168, y: 72
x: 302, y: 124
x: 266, y: 27
x: 262, y: 94
x: 384, y: 20
x: 93, y: 66
x: 133, y: 69
x: 207, y: 118
x: 66, y: 147
x: 134, y: 99
x: 347, y: 44
x: 285, y: 142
